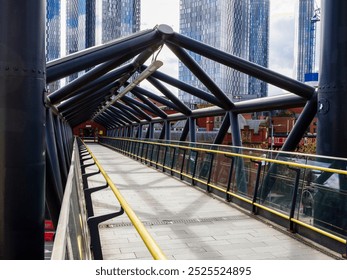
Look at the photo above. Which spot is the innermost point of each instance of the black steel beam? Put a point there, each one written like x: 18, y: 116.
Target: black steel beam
x: 159, y: 112
x: 129, y: 110
x: 192, y: 129
x: 182, y: 107
x: 22, y: 133
x: 223, y: 130
x: 185, y: 131
x: 138, y: 104
x: 54, y: 185
x: 71, y: 88
x: 242, y: 65
x: 82, y: 60
x: 187, y: 88
x: 140, y: 112
x: 125, y: 113
x: 301, y: 125
x: 157, y: 98
x: 284, y: 101
x: 106, y: 82
x: 235, y: 129
x: 277, y: 102
x: 113, y: 112
x: 195, y: 68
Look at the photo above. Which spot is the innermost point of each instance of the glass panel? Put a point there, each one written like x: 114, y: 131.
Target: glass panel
x: 220, y: 171
x: 204, y: 165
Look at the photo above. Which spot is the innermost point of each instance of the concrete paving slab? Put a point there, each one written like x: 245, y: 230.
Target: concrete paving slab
x: 187, y: 223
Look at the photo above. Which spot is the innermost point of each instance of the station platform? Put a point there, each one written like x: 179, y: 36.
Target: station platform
x: 186, y: 222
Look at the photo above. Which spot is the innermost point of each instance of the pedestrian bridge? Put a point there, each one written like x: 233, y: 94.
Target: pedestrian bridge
x: 179, y: 200
x: 210, y: 201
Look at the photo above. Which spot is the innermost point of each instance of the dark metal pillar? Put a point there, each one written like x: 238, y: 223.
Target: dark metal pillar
x: 235, y: 129
x: 54, y: 185
x: 301, y: 125
x: 332, y: 90
x: 167, y: 130
x: 151, y: 130
x: 223, y: 130
x: 192, y: 129
x: 22, y: 133
x: 332, y: 101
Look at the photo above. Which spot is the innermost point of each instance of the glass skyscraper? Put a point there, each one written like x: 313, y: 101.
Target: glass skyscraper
x: 306, y: 39
x: 225, y: 25
x: 120, y: 18
x: 74, y: 25
x: 259, y: 43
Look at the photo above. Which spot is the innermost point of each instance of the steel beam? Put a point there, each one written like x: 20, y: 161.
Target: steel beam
x: 187, y: 88
x: 185, y: 131
x: 223, y: 130
x: 195, y: 68
x: 235, y: 129
x: 159, y: 112
x: 84, y: 59
x: 54, y: 185
x: 182, y: 107
x: 22, y: 133
x: 242, y: 65
x: 301, y: 125
x: 71, y: 88
x: 157, y: 98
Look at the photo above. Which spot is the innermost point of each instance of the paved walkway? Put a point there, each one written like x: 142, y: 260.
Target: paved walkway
x: 187, y: 223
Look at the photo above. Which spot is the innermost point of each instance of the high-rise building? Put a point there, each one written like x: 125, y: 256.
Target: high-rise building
x: 231, y: 26
x: 306, y: 39
x: 120, y: 18
x: 74, y: 25
x: 75, y: 28
x: 259, y: 43
x: 53, y: 30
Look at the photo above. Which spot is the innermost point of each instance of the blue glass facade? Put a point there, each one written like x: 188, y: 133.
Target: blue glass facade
x: 305, y: 39
x: 53, y: 34
x: 75, y: 28
x: 82, y: 24
x: 120, y: 18
x: 239, y: 27
x: 259, y: 43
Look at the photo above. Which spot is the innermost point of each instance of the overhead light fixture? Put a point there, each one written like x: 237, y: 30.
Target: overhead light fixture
x: 144, y: 75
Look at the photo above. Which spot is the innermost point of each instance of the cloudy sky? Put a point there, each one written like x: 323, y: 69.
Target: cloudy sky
x: 282, y: 32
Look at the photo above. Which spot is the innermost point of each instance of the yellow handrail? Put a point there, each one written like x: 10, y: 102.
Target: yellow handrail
x: 332, y: 236
x: 150, y: 243
x: 293, y: 164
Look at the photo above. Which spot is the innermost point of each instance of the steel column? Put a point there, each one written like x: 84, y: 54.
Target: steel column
x: 235, y: 129
x: 223, y: 130
x: 54, y: 185
x: 192, y: 129
x: 301, y: 125
x: 332, y: 90
x: 185, y: 132
x: 332, y: 102
x: 22, y: 133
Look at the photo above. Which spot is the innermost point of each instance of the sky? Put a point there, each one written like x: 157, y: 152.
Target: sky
x: 282, y: 33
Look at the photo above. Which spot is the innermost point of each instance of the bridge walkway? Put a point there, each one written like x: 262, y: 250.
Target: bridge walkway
x: 187, y: 223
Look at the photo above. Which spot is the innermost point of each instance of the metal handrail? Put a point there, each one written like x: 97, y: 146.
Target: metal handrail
x: 150, y: 243
x: 67, y: 246
x: 292, y: 164
x: 287, y: 163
